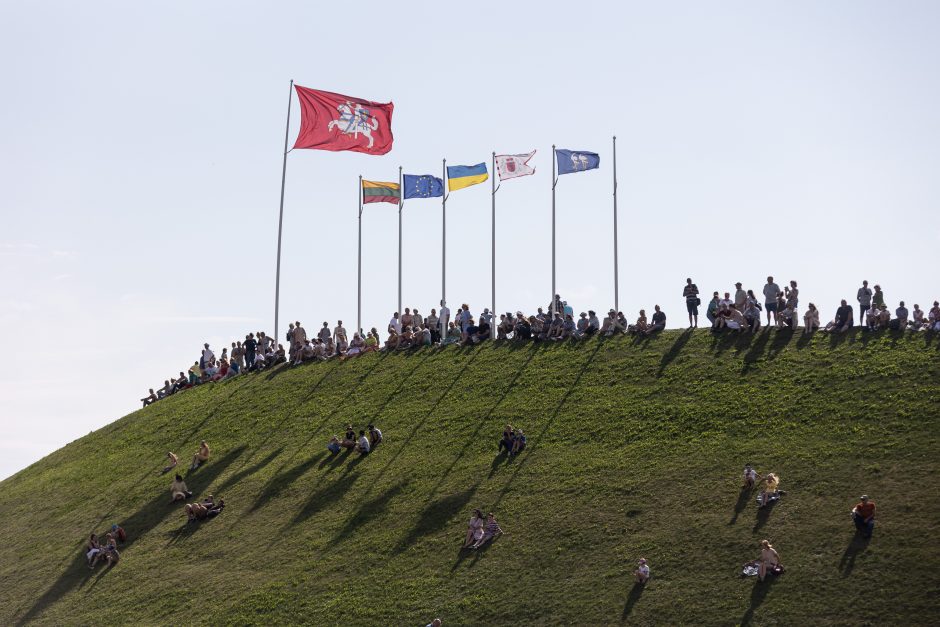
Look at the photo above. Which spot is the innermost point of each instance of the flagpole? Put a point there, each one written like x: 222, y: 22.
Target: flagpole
x: 493, y: 264
x: 616, y: 279
x: 554, y: 182
x: 359, y: 267
x: 444, y: 234
x: 280, y: 218
x: 401, y: 204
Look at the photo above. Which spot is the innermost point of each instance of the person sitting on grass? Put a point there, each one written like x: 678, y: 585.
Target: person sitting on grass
x: 736, y: 320
x: 658, y: 322
x: 362, y: 446
x: 375, y: 436
x: 483, y: 332
x: 173, y: 461
x: 917, y: 319
x: 92, y: 550
x: 555, y: 327
x: 641, y: 326
x: 201, y: 456
x: 607, y: 326
x: 518, y: 443
x: 843, y: 320
x: 371, y: 342
x: 474, y: 529
x: 406, y: 339
x: 620, y: 326
x: 863, y: 515
x: 900, y: 318
x: 208, y: 508
x: 453, y: 334
x: 195, y: 374
x: 568, y: 328
x: 490, y: 531
x: 771, y: 489
x: 334, y: 445
x: 933, y: 317
x: 393, y: 340
x: 711, y: 310
x: 581, y: 326
x: 178, y: 490
x: 349, y: 440
x: 150, y: 398
x: 119, y: 534
x: 811, y: 320
x: 642, y: 572
x: 110, y: 551
x: 506, y: 441
x: 769, y: 560
x: 750, y: 477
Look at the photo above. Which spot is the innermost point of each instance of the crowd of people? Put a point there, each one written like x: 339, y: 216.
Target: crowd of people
x: 105, y: 551
x: 738, y: 311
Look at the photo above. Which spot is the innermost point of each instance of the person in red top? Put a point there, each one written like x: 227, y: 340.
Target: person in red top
x: 864, y: 516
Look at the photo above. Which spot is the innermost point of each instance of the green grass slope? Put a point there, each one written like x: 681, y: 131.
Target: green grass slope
x: 636, y: 449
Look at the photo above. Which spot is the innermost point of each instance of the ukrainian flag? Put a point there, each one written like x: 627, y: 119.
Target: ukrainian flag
x: 460, y: 176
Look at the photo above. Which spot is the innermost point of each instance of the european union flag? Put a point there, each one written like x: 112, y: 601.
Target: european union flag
x: 576, y: 160
x: 423, y: 186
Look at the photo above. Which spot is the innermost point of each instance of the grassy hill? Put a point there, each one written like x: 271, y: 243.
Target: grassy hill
x: 635, y: 449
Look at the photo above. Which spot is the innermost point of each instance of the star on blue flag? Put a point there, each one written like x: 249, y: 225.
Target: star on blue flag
x: 422, y: 186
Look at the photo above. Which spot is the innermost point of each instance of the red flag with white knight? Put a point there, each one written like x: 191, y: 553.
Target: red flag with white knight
x: 331, y: 121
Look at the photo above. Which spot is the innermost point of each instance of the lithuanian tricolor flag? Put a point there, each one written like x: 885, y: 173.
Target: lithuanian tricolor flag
x: 377, y: 191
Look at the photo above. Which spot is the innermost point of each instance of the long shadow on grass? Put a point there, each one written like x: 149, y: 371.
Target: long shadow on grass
x: 741, y: 504
x: 756, y: 350
x: 138, y: 524
x: 283, y: 480
x: 247, y: 472
x: 436, y: 515
x: 548, y: 423
x: 758, y: 594
x: 473, y: 436
x: 369, y: 511
x: 857, y: 546
x: 325, y: 497
x: 782, y: 338
x: 674, y: 351
x: 763, y: 515
x: 632, y: 598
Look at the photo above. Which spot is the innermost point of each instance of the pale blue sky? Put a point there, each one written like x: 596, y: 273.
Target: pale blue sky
x: 141, y: 157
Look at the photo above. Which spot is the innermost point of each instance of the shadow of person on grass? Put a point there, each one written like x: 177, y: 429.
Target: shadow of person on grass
x: 857, y: 546
x: 674, y: 351
x: 758, y: 594
x: 436, y: 515
x: 325, y: 496
x: 743, y: 498
x: 763, y: 515
x: 369, y: 510
x: 632, y: 598
x: 281, y: 481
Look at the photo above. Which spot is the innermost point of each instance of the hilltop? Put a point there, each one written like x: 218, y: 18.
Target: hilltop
x: 635, y: 449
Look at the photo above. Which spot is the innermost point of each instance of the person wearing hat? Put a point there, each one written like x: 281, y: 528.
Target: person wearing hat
x: 582, y: 326
x: 642, y: 572
x: 864, y: 516
x: 594, y: 324
x: 740, y: 297
x: 607, y: 327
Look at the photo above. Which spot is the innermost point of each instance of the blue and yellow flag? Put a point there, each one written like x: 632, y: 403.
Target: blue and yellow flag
x: 460, y: 176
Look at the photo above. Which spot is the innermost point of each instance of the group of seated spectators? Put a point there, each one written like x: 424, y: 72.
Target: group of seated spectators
x: 107, y: 551
x: 480, y: 530
x: 363, y: 444
x: 513, y: 441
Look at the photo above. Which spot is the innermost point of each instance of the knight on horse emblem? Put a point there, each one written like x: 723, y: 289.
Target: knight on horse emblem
x: 353, y: 120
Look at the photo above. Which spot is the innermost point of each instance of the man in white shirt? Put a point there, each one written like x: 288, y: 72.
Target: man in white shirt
x: 771, y: 290
x: 207, y: 355
x: 363, y: 446
x: 486, y: 316
x: 395, y: 324
x: 726, y: 302
x: 444, y: 319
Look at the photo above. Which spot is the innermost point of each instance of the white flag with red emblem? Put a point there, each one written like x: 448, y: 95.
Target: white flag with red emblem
x: 512, y: 166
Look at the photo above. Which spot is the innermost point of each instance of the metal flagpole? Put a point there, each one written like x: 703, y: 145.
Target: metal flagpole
x: 493, y: 264
x: 616, y: 280
x: 444, y: 233
x: 401, y: 204
x: 554, y: 183
x: 280, y: 218
x: 359, y: 269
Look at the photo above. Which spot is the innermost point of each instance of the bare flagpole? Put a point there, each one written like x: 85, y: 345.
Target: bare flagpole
x: 401, y: 204
x: 280, y: 218
x: 493, y: 264
x: 616, y: 278
x: 359, y: 267
x: 554, y: 183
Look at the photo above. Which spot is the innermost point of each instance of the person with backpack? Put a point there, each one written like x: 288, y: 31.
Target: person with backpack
x: 692, y: 301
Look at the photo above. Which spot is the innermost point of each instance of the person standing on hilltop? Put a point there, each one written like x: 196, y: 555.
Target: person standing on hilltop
x: 878, y: 298
x: 864, y: 300
x: 740, y: 298
x: 207, y: 356
x: 250, y: 346
x: 692, y: 301
x: 771, y: 290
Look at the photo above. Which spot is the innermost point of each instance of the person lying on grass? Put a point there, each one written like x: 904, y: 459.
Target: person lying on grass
x: 207, y: 509
x: 171, y: 464
x: 642, y: 572
x: 178, y: 490
x: 474, y: 529
x: 490, y: 531
x: 201, y: 456
x: 769, y: 560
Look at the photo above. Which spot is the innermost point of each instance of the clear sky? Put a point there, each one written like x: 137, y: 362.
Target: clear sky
x: 141, y: 162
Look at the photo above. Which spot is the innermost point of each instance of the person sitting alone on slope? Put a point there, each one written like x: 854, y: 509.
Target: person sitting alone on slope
x: 490, y: 531
x: 474, y: 529
x: 171, y: 464
x: 771, y: 490
x: 201, y: 456
x: 150, y: 398
x: 642, y: 572
x: 863, y: 515
x: 750, y: 477
x: 178, y: 490
x: 769, y: 560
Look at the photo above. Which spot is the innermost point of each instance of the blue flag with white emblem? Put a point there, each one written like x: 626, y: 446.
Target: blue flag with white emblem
x: 576, y: 160
x: 422, y: 186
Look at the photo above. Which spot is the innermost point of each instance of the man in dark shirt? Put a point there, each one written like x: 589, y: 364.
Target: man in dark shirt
x: 843, y: 321
x: 659, y: 321
x: 250, y: 345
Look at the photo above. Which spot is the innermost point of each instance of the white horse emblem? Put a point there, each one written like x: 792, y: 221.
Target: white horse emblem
x: 355, y: 119
x: 579, y: 161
